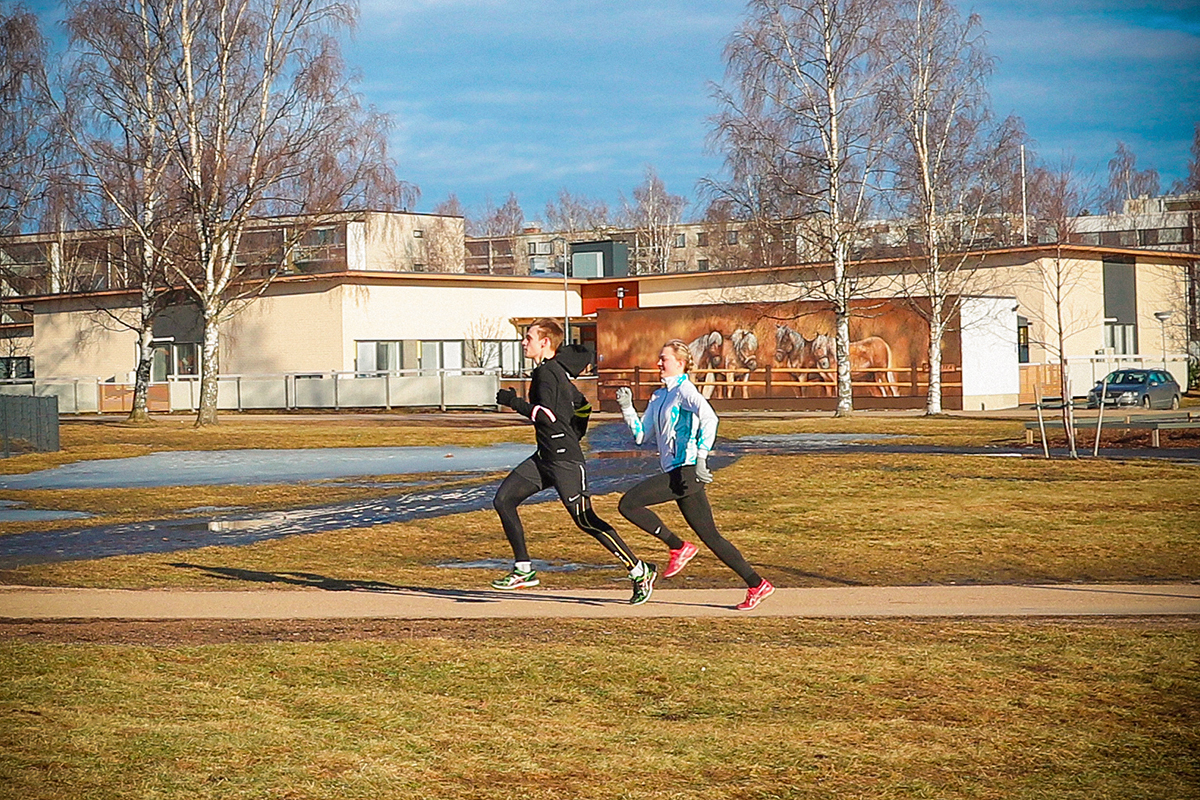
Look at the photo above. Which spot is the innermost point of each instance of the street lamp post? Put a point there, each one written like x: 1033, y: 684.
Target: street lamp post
x: 566, y: 265
x: 1162, y: 317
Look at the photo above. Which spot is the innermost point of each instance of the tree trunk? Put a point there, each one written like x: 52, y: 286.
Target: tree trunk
x: 210, y: 372
x: 933, y: 400
x: 141, y: 382
x: 845, y: 404
x: 937, y: 331
x: 1068, y: 409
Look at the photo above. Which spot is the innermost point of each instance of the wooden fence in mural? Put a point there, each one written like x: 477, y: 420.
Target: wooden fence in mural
x: 773, y: 388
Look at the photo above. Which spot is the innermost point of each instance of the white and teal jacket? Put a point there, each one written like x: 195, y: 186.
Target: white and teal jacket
x: 680, y: 420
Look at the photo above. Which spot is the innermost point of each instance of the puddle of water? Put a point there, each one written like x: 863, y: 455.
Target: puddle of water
x: 816, y: 439
x: 16, y: 511
x: 211, y: 509
x: 228, y: 527
x: 251, y: 467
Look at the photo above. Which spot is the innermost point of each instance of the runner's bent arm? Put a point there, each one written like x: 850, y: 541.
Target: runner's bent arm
x: 643, y: 427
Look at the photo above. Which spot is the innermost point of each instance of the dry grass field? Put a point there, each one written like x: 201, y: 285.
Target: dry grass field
x: 752, y: 708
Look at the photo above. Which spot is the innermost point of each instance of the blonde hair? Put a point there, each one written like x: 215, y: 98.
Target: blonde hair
x: 682, y: 352
x: 550, y: 329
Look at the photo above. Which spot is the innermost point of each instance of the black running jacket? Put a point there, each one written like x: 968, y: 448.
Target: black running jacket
x: 553, y: 405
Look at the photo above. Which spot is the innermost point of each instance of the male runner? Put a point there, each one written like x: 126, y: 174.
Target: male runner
x: 553, y: 406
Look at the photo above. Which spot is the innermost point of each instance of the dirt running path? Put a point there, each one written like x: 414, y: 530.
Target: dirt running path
x: 416, y: 603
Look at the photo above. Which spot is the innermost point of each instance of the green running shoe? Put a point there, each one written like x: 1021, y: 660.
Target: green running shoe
x: 643, y: 587
x: 516, y: 580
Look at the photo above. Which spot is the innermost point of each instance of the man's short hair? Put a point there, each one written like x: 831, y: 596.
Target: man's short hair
x: 551, y: 330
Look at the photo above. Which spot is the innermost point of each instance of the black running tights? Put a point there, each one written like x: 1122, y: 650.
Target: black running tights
x: 682, y: 486
x: 570, y: 479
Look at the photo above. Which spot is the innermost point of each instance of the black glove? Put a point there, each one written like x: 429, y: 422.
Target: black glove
x: 505, y: 397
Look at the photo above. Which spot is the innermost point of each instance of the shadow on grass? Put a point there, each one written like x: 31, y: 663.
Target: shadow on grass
x: 326, y: 583
x: 775, y: 569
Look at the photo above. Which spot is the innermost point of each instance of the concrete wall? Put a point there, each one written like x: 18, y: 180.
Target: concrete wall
x: 401, y: 242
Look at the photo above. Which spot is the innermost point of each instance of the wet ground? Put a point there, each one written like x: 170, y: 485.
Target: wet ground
x: 614, y: 465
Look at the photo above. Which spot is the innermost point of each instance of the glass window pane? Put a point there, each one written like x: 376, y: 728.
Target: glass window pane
x: 187, y: 358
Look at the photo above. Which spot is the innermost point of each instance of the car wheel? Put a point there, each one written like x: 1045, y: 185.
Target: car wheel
x: 1175, y: 403
x: 1146, y: 401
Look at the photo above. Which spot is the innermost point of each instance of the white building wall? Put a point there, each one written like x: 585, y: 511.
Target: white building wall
x: 293, y: 328
x: 991, y: 375
x: 72, y: 339
x: 432, y: 310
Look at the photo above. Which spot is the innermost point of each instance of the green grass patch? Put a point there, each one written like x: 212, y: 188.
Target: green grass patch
x: 615, y: 709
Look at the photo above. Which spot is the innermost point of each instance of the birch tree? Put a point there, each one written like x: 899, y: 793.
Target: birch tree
x: 654, y: 216
x: 26, y: 121
x: 262, y: 121
x: 802, y: 129
x: 936, y: 95
x: 1126, y: 181
x: 574, y: 215
x: 116, y: 100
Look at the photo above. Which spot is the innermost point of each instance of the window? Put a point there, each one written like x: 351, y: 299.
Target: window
x: 702, y: 265
x: 16, y: 367
x: 540, y: 248
x: 321, y: 250
x: 681, y: 240
x: 1022, y: 340
x: 1171, y: 235
x: 731, y: 237
x: 379, y: 357
x: 702, y: 239
x: 1121, y: 338
x: 1120, y: 305
x: 169, y: 359
x: 418, y: 234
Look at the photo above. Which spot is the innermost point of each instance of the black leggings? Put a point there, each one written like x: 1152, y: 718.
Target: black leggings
x: 569, y: 478
x: 682, y: 486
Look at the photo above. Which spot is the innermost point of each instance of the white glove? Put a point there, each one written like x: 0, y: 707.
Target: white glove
x: 702, y: 473
x: 625, y: 399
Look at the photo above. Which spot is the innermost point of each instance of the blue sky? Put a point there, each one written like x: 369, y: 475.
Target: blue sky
x: 533, y: 96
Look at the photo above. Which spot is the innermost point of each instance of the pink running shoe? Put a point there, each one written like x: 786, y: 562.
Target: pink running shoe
x: 680, y: 559
x: 756, y: 595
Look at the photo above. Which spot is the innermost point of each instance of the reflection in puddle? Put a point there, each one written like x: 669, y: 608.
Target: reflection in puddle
x: 14, y: 511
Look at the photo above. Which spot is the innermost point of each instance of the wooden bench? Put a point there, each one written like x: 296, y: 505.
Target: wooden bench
x: 1130, y: 423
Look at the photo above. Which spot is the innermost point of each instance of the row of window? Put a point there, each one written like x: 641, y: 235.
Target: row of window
x: 1146, y: 237
x: 433, y: 355
x: 731, y: 237
x: 547, y: 248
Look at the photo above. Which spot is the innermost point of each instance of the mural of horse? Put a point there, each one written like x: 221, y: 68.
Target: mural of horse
x: 741, y: 359
x: 870, y: 359
x: 805, y: 359
x: 707, y: 353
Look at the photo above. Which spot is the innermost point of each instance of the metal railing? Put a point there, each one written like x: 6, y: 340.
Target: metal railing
x: 441, y: 388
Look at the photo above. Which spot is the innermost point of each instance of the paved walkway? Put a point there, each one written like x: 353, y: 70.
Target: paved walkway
x: 418, y: 603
